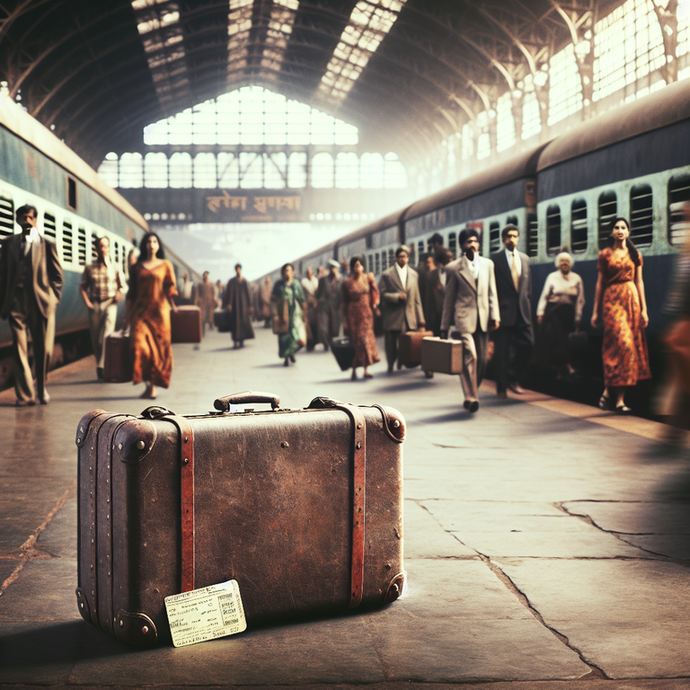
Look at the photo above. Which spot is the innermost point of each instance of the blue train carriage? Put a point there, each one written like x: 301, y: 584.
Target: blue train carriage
x: 486, y: 202
x: 633, y: 162
x: 319, y: 257
x: 75, y: 207
x: 376, y: 242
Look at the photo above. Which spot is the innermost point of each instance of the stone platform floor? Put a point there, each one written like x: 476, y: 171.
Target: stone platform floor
x: 547, y: 544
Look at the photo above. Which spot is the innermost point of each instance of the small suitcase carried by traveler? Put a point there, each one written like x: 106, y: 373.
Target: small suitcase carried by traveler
x: 117, y: 367
x: 185, y: 324
x: 442, y: 356
x: 344, y: 352
x: 221, y: 320
x: 302, y: 508
x: 410, y: 347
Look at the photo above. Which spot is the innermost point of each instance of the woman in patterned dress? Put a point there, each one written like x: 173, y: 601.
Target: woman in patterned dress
x: 288, y: 291
x: 620, y: 305
x: 149, y: 301
x: 360, y: 299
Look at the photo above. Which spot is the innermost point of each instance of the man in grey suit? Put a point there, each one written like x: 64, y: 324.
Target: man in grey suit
x: 514, y: 284
x: 471, y: 304
x: 401, y: 304
x: 31, y: 283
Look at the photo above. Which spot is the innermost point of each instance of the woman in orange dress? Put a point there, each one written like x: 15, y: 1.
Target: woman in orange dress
x: 149, y: 301
x: 620, y: 305
x: 360, y: 299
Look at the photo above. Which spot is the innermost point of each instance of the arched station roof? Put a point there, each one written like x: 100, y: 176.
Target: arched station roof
x: 407, y: 74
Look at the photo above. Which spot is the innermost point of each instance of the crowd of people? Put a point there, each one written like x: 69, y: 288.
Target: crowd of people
x: 470, y: 298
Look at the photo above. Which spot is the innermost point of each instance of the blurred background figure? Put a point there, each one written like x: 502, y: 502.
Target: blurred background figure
x: 149, y: 301
x: 310, y: 284
x: 237, y: 301
x: 186, y: 292
x: 360, y: 299
x: 620, y: 307
x: 288, y: 306
x: 265, y: 292
x: 559, y: 312
x: 328, y: 296
x: 435, y: 289
x: 207, y: 300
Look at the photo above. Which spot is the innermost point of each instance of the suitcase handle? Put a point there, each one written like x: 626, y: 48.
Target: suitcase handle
x: 244, y: 398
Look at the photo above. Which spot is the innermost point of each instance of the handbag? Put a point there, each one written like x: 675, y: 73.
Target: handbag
x: 281, y: 320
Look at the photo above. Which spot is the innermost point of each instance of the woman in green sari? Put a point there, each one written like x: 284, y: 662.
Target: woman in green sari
x: 289, y: 307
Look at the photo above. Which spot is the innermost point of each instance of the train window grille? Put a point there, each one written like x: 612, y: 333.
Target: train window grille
x: 384, y: 264
x: 494, y: 236
x: 641, y: 215
x: 453, y: 242
x: 6, y: 216
x: 49, y: 227
x: 67, y: 241
x: 679, y: 210
x: 72, y: 193
x: 532, y: 235
x: 578, y: 226
x: 81, y: 246
x: 94, y: 241
x: 608, y: 210
x: 553, y: 228
x: 377, y: 264
x: 391, y: 257
x: 116, y: 252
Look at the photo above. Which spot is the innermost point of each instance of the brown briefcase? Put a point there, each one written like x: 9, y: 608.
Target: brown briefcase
x: 117, y: 365
x: 442, y: 356
x: 410, y: 347
x: 303, y: 508
x: 185, y: 324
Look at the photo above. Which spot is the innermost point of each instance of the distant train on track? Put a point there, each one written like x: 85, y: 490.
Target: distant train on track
x: 75, y: 207
x: 633, y: 161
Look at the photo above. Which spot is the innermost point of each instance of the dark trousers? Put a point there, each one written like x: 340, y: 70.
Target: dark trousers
x: 391, y: 345
x: 520, y: 337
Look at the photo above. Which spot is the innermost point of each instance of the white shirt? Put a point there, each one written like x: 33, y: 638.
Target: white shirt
x: 509, y: 256
x: 310, y: 285
x: 474, y: 265
x: 33, y: 236
x: 402, y: 273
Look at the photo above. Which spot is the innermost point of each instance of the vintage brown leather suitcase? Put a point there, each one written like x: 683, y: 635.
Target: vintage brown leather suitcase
x: 117, y: 365
x: 442, y: 356
x: 303, y: 508
x: 185, y: 324
x: 410, y: 347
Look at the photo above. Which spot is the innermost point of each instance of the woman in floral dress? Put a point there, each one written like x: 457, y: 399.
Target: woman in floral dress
x: 360, y: 299
x: 149, y: 301
x: 620, y: 305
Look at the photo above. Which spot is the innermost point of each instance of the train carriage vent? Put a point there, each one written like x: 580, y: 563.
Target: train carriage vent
x: 49, y: 227
x: 578, y: 226
x: 494, y: 236
x: 6, y: 216
x: 641, y: 215
x: 532, y: 235
x: 81, y: 246
x: 67, y: 240
x: 608, y: 210
x: 553, y: 228
x: 679, y: 210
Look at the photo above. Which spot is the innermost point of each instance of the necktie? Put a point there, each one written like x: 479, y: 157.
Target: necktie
x: 514, y: 271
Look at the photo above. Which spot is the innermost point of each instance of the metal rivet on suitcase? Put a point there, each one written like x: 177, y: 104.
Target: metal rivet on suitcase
x: 396, y: 423
x: 284, y: 444
x: 141, y: 445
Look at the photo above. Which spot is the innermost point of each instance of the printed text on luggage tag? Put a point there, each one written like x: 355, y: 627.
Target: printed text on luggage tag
x: 205, y: 614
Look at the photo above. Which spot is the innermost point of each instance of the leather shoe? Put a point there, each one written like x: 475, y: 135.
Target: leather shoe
x: 516, y: 388
x: 466, y: 404
x: 45, y: 399
x: 24, y: 403
x: 473, y: 406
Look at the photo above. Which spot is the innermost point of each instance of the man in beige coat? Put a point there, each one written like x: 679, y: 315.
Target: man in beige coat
x: 31, y: 282
x: 471, y: 304
x: 401, y: 304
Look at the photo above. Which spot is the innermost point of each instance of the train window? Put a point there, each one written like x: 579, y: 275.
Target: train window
x: 512, y: 220
x: 678, y: 209
x: 578, y: 226
x: 494, y: 236
x: 116, y: 252
x: 377, y: 264
x: 49, y: 227
x: 72, y: 193
x: 641, y: 215
x: 553, y: 228
x: 384, y: 264
x: 67, y: 239
x: 369, y: 241
x: 420, y: 246
x: 81, y: 246
x: 391, y: 257
x: 452, y: 242
x: 532, y: 235
x: 6, y: 216
x: 608, y: 210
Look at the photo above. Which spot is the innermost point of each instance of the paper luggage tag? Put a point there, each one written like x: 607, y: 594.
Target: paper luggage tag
x: 205, y: 614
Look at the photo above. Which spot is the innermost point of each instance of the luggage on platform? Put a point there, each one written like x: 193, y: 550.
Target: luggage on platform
x: 410, y: 347
x: 222, y: 320
x: 344, y: 352
x: 185, y: 324
x: 117, y: 367
x: 303, y: 508
x: 442, y: 356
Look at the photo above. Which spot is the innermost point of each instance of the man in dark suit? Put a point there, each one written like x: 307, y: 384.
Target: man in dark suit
x: 401, y: 305
x: 514, y: 285
x: 31, y: 283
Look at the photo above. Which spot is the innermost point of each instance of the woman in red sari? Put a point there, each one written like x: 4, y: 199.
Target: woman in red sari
x: 149, y: 301
x: 620, y: 305
x: 360, y: 299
